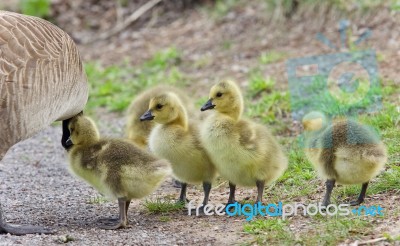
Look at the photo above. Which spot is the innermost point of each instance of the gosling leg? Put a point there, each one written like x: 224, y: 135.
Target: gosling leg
x: 330, y: 183
x: 123, y: 220
x: 115, y: 220
x: 206, y: 188
x: 19, y: 230
x: 231, y: 199
x: 361, y: 197
x: 232, y: 188
x: 260, y: 189
x: 182, y: 196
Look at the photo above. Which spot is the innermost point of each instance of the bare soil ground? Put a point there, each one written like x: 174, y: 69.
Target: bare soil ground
x: 35, y: 185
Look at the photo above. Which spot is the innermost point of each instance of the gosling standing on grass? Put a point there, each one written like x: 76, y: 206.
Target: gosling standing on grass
x: 243, y: 151
x: 116, y: 168
x: 345, y: 152
x: 177, y: 140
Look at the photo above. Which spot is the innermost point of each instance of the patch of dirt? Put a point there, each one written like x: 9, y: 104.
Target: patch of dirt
x: 36, y: 188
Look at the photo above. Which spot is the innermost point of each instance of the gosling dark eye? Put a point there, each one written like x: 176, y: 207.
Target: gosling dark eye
x: 159, y: 106
x: 219, y: 94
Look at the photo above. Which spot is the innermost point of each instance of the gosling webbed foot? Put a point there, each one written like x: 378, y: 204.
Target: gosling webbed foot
x: 108, y: 220
x: 182, y: 197
x: 356, y: 202
x: 122, y: 221
x: 361, y: 197
x: 182, y: 202
x: 230, y: 203
x: 113, y: 225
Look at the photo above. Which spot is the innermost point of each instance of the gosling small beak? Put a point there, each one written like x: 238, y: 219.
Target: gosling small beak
x: 68, y: 143
x: 147, y: 116
x: 208, y: 105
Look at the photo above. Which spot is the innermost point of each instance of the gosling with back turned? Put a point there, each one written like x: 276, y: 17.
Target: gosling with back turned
x: 177, y: 139
x: 243, y: 151
x: 116, y: 168
x: 345, y: 152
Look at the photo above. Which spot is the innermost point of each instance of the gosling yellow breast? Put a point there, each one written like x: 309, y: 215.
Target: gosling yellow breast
x: 176, y: 139
x: 242, y: 150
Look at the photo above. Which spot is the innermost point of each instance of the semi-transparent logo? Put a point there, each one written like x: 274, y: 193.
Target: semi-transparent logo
x: 339, y: 84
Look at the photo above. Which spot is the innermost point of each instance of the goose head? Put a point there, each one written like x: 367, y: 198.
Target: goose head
x: 83, y: 131
x: 226, y: 98
x: 166, y: 108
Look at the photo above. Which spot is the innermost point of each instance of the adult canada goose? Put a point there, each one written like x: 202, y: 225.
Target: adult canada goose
x: 345, y: 152
x: 41, y: 81
x: 177, y: 139
x: 116, y: 168
x: 243, y: 151
x: 138, y: 131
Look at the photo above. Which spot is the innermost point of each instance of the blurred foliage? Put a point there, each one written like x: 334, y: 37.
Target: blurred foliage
x: 39, y: 8
x: 271, y: 57
x: 114, y: 87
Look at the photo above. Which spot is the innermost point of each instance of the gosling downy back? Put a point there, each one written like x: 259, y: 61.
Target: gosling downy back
x: 343, y: 150
x: 41, y: 64
x: 139, y: 131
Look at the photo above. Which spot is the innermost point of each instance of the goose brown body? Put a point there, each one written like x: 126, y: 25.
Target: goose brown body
x: 41, y: 77
x: 42, y: 80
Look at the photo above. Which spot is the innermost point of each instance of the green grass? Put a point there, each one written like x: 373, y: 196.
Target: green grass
x: 395, y: 5
x: 264, y: 102
x: 114, y: 87
x: 270, y: 108
x: 39, y: 8
x: 300, y: 173
x: 318, y: 230
x: 345, y: 103
x: 333, y: 230
x: 271, y: 231
x: 260, y: 83
x: 162, y: 206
